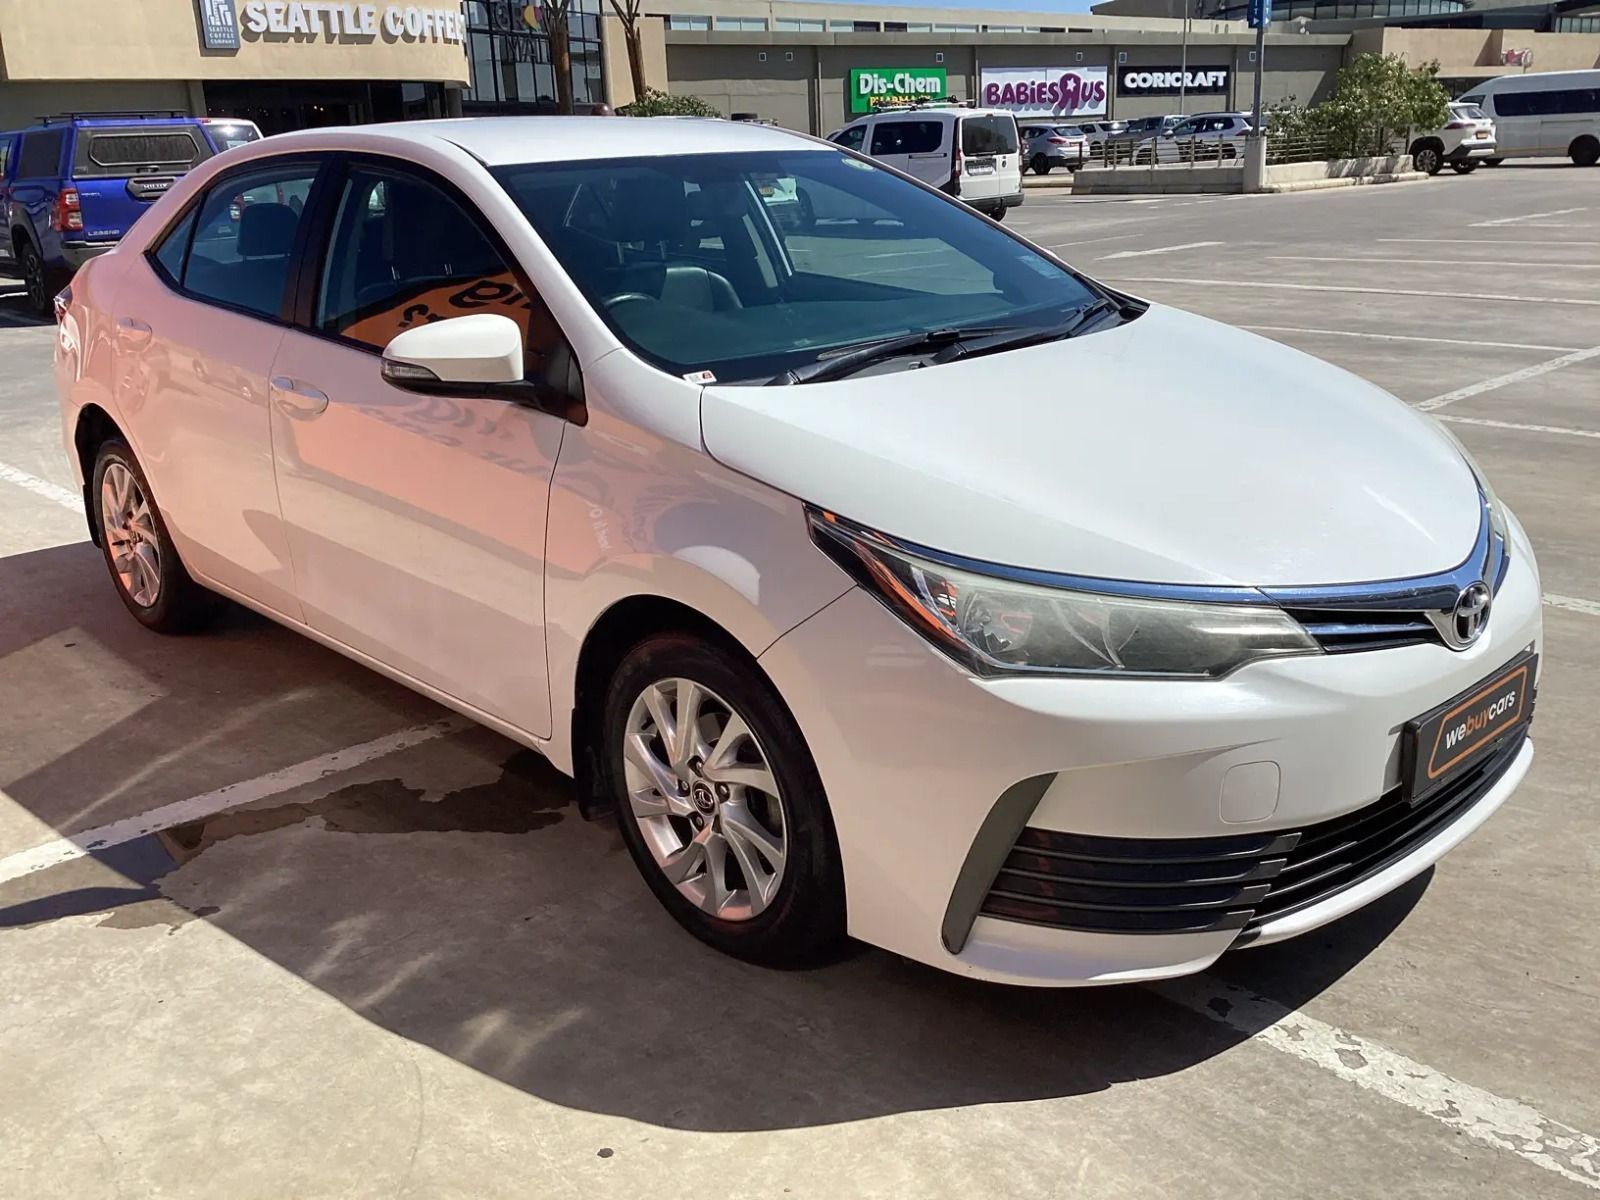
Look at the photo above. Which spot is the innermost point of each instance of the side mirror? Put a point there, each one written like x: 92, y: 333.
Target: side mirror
x: 481, y: 355
x: 482, y: 348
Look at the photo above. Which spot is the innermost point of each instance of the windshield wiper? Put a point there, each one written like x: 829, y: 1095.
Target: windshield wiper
x: 837, y: 366
x: 1014, y: 339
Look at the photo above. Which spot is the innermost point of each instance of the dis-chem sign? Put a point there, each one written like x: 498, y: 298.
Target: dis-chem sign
x: 874, y: 88
x: 1045, y: 91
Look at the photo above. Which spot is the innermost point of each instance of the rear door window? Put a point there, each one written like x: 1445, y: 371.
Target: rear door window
x: 115, y: 152
x: 907, y: 137
x: 244, y: 238
x: 988, y: 135
x: 40, y: 155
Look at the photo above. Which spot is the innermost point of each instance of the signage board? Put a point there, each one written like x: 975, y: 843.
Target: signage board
x: 1045, y: 91
x: 283, y: 20
x: 219, y: 28
x: 1173, y: 81
x: 874, y: 88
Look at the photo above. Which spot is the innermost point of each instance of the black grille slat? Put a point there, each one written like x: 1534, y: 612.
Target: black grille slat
x: 1340, y: 631
x: 1186, y: 885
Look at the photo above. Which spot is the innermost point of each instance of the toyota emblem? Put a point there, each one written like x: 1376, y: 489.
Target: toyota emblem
x: 1470, y: 615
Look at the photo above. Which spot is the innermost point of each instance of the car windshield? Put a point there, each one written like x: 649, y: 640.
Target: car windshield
x: 1470, y: 112
x: 746, y: 265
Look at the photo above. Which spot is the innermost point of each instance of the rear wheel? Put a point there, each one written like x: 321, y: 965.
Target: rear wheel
x: 37, y: 287
x: 1585, y: 151
x: 1040, y: 165
x: 144, y: 564
x: 998, y: 214
x: 1426, y: 158
x: 719, y: 802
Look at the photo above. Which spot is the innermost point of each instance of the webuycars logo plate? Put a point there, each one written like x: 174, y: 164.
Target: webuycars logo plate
x: 1457, y: 733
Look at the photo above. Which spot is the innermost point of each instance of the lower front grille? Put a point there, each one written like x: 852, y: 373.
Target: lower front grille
x: 1234, y: 882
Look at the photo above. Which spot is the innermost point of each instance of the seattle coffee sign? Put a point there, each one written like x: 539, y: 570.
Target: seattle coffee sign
x: 276, y: 20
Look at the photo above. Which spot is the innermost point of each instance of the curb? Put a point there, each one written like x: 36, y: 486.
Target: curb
x: 1318, y: 185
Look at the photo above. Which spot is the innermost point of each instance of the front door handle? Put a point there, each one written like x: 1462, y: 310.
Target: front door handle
x: 296, y: 398
x: 132, y: 331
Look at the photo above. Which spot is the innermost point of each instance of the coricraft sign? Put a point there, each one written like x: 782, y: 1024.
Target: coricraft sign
x: 272, y: 19
x: 872, y: 88
x: 1170, y: 81
x: 1045, y: 91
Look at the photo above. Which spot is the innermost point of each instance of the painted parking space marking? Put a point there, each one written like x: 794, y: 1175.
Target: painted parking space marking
x: 1510, y: 377
x: 1520, y: 427
x: 42, y: 488
x: 1405, y: 337
x: 1560, y: 212
x: 1367, y: 291
x: 1490, y: 242
x: 1432, y: 262
x: 1575, y: 603
x: 1159, y: 250
x: 233, y: 795
x: 1494, y: 1120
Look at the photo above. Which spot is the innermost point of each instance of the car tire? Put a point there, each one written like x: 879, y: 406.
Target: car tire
x: 1425, y: 157
x: 998, y: 214
x: 1493, y: 162
x: 1040, y: 165
x: 35, y: 281
x: 795, y: 914
x: 145, y: 568
x: 1585, y: 151
x: 1464, y: 168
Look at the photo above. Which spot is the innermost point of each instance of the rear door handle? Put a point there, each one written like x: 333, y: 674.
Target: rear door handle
x: 296, y: 398
x: 133, y: 331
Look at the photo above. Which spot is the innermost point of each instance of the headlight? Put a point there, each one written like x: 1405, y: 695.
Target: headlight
x: 997, y: 626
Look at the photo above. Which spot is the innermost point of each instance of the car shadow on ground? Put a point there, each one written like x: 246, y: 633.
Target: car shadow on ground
x: 450, y: 894
x: 14, y: 306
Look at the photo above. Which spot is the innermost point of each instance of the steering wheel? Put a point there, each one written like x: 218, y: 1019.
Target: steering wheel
x: 625, y: 298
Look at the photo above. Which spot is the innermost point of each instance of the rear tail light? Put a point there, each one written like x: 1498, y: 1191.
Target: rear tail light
x: 1459, y: 125
x: 61, y: 303
x: 66, y: 216
x: 1059, y: 141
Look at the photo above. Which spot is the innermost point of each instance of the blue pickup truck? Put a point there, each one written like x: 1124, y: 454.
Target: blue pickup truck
x: 72, y: 185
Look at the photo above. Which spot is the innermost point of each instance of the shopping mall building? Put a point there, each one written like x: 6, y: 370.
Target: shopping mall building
x: 806, y: 65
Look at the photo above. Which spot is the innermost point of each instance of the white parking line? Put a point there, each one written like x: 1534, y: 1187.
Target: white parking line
x: 53, y: 492
x: 1493, y: 424
x: 1510, y: 377
x: 1405, y: 337
x: 1368, y: 291
x: 1483, y: 1116
x: 207, y: 804
x: 1560, y: 212
x: 1573, y: 602
x: 1159, y: 250
x: 1490, y: 242
x: 1116, y: 237
x: 1434, y: 262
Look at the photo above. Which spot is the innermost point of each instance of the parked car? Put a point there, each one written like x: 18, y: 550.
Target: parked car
x: 1466, y: 139
x: 1045, y: 147
x: 1120, y: 145
x: 71, y: 186
x: 224, y: 133
x: 1097, y: 133
x: 974, y: 154
x: 1204, y: 137
x: 1548, y: 114
x: 857, y: 622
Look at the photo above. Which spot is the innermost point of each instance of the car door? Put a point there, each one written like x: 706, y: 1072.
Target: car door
x: 197, y: 323
x: 919, y: 147
x: 1518, y: 115
x: 988, y: 156
x: 416, y: 523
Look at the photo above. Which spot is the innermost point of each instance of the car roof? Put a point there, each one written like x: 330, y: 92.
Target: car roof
x: 951, y: 111
x: 500, y: 141
x: 71, y: 122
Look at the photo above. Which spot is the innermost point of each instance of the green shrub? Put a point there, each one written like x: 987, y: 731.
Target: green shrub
x: 658, y: 104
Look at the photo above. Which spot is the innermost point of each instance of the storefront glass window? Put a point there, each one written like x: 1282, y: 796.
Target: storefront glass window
x: 511, y: 61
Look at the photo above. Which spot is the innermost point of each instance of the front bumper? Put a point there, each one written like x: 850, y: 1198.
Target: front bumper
x: 918, y: 758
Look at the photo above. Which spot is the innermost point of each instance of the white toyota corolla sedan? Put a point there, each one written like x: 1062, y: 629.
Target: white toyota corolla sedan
x: 889, y: 577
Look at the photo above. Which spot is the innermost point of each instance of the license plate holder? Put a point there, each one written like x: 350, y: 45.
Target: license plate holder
x: 1454, y: 737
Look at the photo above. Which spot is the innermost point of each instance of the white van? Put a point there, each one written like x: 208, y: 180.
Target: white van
x: 1551, y: 114
x: 974, y: 154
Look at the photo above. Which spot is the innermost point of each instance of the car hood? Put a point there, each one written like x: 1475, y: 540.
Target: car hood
x: 1168, y: 449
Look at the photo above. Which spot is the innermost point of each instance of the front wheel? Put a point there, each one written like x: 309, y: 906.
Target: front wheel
x: 149, y: 577
x: 720, y: 803
x: 1493, y: 162
x: 1464, y: 168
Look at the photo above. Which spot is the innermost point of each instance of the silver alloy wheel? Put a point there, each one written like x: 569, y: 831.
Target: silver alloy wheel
x: 705, y: 799
x: 130, y: 533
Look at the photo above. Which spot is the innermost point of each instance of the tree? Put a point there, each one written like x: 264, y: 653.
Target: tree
x: 628, y: 14
x: 1376, y: 99
x: 652, y: 103
x: 553, y: 15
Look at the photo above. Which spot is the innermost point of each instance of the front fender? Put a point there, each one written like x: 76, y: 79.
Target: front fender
x: 638, y: 511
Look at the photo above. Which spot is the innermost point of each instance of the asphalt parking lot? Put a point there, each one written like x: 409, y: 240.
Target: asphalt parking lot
x: 273, y: 926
